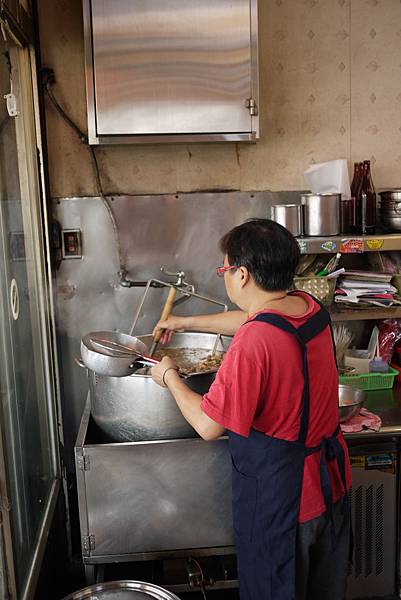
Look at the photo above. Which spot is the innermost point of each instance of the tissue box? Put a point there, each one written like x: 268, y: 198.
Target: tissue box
x: 360, y: 358
x: 329, y: 178
x: 360, y: 364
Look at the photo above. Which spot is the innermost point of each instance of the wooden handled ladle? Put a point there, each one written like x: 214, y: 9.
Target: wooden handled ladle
x: 168, y: 306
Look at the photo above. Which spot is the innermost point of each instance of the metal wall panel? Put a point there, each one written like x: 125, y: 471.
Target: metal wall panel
x: 178, y: 231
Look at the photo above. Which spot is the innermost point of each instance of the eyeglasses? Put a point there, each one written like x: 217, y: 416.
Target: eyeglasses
x: 221, y: 270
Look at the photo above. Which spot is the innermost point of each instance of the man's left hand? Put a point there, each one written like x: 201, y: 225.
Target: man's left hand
x: 158, y: 371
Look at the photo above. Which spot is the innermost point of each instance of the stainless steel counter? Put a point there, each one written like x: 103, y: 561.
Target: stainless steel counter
x: 387, y: 405
x: 131, y: 496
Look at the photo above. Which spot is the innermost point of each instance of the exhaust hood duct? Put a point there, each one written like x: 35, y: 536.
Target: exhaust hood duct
x: 171, y: 70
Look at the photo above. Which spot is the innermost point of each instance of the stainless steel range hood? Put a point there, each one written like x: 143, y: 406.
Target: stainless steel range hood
x: 171, y: 70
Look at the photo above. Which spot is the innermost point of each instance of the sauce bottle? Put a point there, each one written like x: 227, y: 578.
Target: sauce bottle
x: 368, y: 201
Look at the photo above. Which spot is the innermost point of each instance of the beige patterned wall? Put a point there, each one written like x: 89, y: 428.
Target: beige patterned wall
x: 330, y: 75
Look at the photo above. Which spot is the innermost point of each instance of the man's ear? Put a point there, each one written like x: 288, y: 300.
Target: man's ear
x: 244, y: 276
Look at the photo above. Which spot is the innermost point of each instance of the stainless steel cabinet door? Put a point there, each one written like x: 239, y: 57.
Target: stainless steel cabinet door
x: 172, y: 66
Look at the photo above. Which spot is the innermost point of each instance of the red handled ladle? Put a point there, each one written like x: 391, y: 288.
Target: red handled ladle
x: 117, y: 349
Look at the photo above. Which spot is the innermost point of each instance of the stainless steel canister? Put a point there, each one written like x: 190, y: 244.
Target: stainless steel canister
x: 321, y: 214
x: 289, y: 216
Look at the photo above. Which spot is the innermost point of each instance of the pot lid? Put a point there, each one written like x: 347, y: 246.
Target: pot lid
x: 122, y: 590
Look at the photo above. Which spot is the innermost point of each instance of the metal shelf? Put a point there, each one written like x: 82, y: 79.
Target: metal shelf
x: 360, y: 314
x: 350, y: 244
x: 354, y: 245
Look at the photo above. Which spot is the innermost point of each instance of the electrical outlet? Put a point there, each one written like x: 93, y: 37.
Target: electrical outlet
x: 71, y: 243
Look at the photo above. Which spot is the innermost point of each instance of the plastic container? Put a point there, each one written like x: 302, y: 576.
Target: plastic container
x: 378, y: 365
x: 371, y: 381
x: 321, y: 287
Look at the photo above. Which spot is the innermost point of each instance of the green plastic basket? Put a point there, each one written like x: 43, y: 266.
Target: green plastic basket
x: 370, y: 381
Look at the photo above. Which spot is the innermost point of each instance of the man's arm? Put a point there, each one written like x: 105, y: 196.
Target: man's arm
x: 188, y: 401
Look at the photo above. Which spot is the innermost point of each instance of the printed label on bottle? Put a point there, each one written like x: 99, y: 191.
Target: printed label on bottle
x: 351, y: 246
x: 374, y: 244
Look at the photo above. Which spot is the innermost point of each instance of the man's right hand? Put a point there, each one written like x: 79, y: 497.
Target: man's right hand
x: 169, y: 326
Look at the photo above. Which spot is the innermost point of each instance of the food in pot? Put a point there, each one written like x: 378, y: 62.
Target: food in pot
x: 192, y: 360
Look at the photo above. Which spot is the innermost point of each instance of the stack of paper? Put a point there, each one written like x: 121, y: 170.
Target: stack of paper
x: 365, y: 289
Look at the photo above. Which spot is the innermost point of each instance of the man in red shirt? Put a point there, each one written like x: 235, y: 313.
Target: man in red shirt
x: 276, y: 395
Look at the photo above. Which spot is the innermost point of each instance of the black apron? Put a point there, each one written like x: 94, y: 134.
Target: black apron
x: 267, y: 486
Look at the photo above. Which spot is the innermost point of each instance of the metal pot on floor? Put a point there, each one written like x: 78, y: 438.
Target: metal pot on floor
x: 122, y: 590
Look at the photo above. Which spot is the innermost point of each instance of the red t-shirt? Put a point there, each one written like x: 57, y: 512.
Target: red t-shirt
x: 259, y: 385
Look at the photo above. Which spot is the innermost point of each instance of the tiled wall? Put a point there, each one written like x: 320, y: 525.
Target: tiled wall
x: 375, y: 88
x: 330, y: 74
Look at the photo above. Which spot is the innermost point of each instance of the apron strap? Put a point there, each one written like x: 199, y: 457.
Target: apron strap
x: 294, y: 292
x: 316, y: 324
x: 331, y: 449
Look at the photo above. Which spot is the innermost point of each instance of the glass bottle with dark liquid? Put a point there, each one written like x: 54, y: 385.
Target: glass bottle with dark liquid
x: 365, y: 201
x: 348, y: 206
x: 368, y: 201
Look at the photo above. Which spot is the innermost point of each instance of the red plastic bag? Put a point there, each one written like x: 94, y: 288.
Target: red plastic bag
x: 389, y: 335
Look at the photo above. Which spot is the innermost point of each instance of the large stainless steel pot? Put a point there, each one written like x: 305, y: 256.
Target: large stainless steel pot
x: 135, y: 408
x: 321, y: 214
x: 289, y: 216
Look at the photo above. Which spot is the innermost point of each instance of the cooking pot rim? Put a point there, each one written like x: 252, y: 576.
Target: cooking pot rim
x: 320, y: 195
x: 286, y: 205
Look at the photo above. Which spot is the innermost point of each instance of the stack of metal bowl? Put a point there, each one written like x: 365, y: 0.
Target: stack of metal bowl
x: 350, y: 401
x: 390, y: 209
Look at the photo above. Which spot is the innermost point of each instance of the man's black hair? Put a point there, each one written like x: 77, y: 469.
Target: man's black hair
x: 268, y: 250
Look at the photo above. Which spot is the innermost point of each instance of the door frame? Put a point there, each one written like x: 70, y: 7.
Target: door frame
x: 31, y: 169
